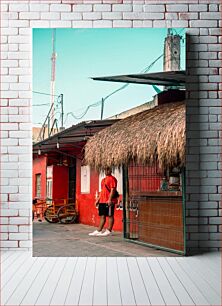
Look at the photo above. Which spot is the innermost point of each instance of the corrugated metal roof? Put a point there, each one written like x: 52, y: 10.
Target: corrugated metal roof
x: 168, y: 78
x: 72, y: 138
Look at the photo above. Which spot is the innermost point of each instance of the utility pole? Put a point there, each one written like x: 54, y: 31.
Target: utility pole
x: 48, y: 124
x: 62, y: 113
x: 171, y: 60
x: 102, y: 108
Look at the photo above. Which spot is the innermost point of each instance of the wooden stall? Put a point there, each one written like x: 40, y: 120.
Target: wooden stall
x: 150, y: 146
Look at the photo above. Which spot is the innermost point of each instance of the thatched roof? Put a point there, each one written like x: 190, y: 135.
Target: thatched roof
x: 155, y: 134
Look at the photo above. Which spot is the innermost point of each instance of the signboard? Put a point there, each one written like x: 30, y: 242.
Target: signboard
x: 49, y: 172
x: 85, y: 179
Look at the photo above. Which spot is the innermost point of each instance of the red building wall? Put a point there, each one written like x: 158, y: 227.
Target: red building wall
x: 39, y: 167
x: 60, y: 178
x: 140, y: 179
x: 88, y: 214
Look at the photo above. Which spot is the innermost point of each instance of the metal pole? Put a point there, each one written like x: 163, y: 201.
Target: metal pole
x: 54, y: 122
x: 47, y: 117
x: 62, y: 111
x: 48, y: 125
x: 125, y: 202
x: 102, y: 108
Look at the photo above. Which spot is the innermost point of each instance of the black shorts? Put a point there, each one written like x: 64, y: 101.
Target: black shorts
x: 104, y: 210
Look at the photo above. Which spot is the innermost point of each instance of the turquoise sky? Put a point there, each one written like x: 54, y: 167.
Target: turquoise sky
x: 84, y: 53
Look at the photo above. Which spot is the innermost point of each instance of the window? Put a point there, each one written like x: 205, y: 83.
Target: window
x: 49, y: 189
x: 38, y: 185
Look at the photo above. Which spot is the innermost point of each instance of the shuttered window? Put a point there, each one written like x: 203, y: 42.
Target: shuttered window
x: 38, y: 185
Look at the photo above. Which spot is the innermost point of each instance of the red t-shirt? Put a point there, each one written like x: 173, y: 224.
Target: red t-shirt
x: 111, y: 182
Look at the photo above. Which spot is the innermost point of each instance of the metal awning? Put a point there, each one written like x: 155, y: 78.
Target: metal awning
x: 73, y: 139
x: 168, y: 78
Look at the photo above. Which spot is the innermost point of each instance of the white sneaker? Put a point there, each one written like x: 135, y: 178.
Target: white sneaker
x: 104, y: 234
x: 95, y: 233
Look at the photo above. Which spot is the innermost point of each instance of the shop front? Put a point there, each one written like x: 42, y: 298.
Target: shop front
x: 154, y: 206
x: 59, y: 176
x: 150, y: 148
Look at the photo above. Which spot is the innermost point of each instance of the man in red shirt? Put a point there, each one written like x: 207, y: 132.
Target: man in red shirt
x: 106, y: 202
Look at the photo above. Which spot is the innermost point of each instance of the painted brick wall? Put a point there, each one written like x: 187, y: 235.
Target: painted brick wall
x: 202, y: 18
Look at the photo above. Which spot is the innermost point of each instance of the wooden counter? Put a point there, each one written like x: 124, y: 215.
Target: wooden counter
x: 160, y: 218
x: 157, y: 194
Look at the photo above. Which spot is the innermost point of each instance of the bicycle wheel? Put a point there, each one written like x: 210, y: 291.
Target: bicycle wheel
x: 50, y: 216
x: 67, y: 214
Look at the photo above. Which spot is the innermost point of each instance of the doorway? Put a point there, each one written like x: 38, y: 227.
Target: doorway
x: 72, y: 182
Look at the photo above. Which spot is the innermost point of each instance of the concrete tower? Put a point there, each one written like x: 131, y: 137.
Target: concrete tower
x: 171, y: 52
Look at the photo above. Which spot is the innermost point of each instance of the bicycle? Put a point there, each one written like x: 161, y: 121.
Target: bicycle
x: 38, y: 208
x: 57, y: 212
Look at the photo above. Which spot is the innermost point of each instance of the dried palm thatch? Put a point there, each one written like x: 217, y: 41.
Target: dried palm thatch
x: 157, y: 134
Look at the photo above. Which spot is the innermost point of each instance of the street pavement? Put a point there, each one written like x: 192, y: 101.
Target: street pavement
x: 72, y: 240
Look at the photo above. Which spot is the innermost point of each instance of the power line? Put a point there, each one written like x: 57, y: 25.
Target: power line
x: 115, y: 91
x: 42, y: 104
x: 84, y: 113
x: 44, y: 93
x: 112, y: 93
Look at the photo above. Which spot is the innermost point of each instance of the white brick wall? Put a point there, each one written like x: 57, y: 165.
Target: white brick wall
x: 201, y: 17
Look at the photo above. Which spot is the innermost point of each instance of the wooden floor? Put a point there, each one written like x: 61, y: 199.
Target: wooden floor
x: 28, y: 280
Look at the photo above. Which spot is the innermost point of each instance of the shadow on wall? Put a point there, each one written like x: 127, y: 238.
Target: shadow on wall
x: 193, y: 171
x: 197, y: 227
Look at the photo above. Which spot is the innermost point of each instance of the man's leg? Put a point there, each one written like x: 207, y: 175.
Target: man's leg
x: 111, y: 223
x: 102, y: 222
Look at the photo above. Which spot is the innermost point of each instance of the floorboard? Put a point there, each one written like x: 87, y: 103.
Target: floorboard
x: 205, y: 288
x: 73, y: 293
x: 126, y: 289
x: 49, y: 287
x: 181, y: 293
x: 166, y: 289
x: 100, y: 282
x: 214, y: 279
x: 211, y: 260
x: 63, y: 284
x: 113, y: 284
x: 86, y: 294
x: 5, y: 255
x: 151, y: 285
x: 37, y: 286
x: 10, y: 286
x: 110, y: 281
x: 12, y: 269
x: 27, y: 281
x: 188, y: 283
x: 138, y: 285
x: 10, y: 261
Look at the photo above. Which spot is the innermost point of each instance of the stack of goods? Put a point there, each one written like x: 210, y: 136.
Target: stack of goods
x: 174, y: 183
